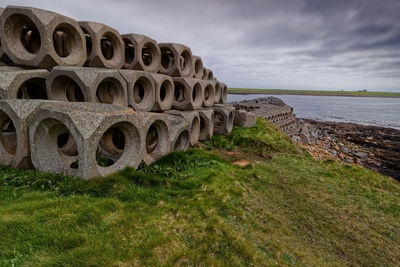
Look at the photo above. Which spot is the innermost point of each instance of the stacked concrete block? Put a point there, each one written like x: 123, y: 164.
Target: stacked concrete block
x: 15, y: 116
x: 164, y: 92
x: 244, y: 118
x: 80, y: 99
x: 141, y: 89
x: 223, y: 118
x: 40, y: 38
x: 105, y: 47
x: 19, y: 83
x: 206, y: 124
x: 141, y: 53
x: 194, y: 121
x: 81, y: 84
x: 198, y: 67
x: 176, y: 60
x: 188, y: 93
x: 89, y: 125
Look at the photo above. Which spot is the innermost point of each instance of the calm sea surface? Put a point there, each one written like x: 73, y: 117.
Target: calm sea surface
x: 362, y: 110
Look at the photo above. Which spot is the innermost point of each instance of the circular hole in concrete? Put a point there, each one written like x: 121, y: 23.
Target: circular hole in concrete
x: 22, y: 35
x: 110, y: 91
x: 198, y: 66
x: 203, y: 123
x: 210, y: 75
x: 217, y: 93
x: 8, y: 134
x: 166, y: 89
x: 196, y: 94
x: 111, y: 146
x: 167, y: 58
x: 185, y: 62
x: 151, y: 139
x: 88, y: 39
x: 218, y: 119
x: 65, y: 88
x: 64, y: 40
x: 207, y: 93
x: 30, y: 38
x: 182, y: 142
x: 34, y: 88
x: 66, y: 143
x: 148, y: 53
x: 141, y: 89
x: 195, y: 130
x: 107, y: 45
x: 179, y: 92
x: 129, y: 51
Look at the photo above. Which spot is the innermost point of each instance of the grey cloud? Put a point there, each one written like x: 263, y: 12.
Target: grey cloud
x: 299, y: 44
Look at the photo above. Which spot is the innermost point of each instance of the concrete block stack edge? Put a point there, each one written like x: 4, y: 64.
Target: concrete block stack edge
x: 79, y: 98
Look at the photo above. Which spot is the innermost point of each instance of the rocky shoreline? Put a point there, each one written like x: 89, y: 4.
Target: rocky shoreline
x: 371, y: 147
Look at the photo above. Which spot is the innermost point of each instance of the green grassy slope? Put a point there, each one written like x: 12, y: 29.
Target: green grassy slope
x: 196, y: 208
x: 313, y: 92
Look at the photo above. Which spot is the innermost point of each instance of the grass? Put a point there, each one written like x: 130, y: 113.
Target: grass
x: 314, y: 92
x: 196, y: 208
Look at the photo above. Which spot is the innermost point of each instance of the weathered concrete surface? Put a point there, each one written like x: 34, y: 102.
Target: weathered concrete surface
x: 188, y: 93
x: 198, y: 67
x: 88, y: 124
x: 272, y: 109
x: 40, y: 38
x: 141, y: 89
x: 164, y: 92
x: 206, y: 124
x: 15, y: 116
x: 208, y: 93
x: 208, y: 74
x: 141, y: 53
x: 82, y: 84
x: 105, y: 47
x: 194, y: 120
x: 16, y: 82
x: 244, y: 119
x: 223, y: 118
x: 157, y: 135
x: 3, y: 56
x: 224, y: 93
x: 217, y: 91
x: 180, y: 133
x: 176, y: 60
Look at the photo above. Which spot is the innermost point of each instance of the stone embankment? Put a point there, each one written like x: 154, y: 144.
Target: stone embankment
x: 371, y: 147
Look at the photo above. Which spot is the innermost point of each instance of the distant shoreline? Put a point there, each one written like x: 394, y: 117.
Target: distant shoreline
x: 311, y: 93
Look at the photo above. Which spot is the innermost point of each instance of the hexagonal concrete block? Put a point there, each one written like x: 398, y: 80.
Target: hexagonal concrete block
x: 224, y: 93
x: 244, y: 118
x: 188, y: 93
x: 176, y: 60
x: 141, y: 89
x: 217, y: 92
x: 40, y: 38
x: 94, y: 129
x: 19, y: 83
x: 164, y: 92
x: 105, y: 47
x: 223, y: 118
x: 3, y: 56
x: 208, y: 93
x: 141, y: 53
x: 198, y: 67
x: 208, y: 74
x: 15, y: 116
x: 206, y: 124
x: 82, y: 84
x: 194, y: 120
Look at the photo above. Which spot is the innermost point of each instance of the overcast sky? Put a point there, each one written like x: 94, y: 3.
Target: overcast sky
x: 287, y: 44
